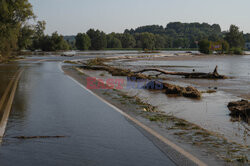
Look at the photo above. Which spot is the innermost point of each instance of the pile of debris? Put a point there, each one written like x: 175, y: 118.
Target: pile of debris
x: 240, y: 109
x: 171, y: 89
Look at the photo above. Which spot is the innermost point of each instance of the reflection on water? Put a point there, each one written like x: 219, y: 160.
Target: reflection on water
x: 6, y: 73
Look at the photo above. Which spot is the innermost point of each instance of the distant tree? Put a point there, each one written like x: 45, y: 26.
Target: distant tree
x: 234, y: 37
x: 178, y: 43
x: 204, y: 46
x: 214, y: 37
x: 247, y: 37
x: 168, y: 41
x: 98, y: 39
x: 147, y: 40
x: 216, y: 28
x: 155, y: 29
x: 128, y: 41
x: 113, y: 42
x: 40, y: 28
x: 160, y: 41
x: 53, y: 43
x: 83, y: 41
x: 38, y: 35
x: 225, y: 46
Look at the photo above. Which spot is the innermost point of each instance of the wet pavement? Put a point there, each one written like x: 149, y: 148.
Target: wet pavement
x: 49, y: 103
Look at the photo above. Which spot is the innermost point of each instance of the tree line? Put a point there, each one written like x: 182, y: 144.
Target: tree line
x: 16, y: 34
x: 176, y: 35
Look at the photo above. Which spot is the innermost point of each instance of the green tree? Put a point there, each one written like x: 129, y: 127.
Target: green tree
x: 83, y: 41
x: 38, y: 35
x: 98, y: 39
x: 113, y: 42
x: 224, y: 46
x: 160, y: 41
x: 128, y: 41
x: 24, y: 38
x: 54, y: 42
x: 204, y: 46
x: 234, y: 37
x: 13, y: 15
x: 247, y: 37
x: 147, y: 40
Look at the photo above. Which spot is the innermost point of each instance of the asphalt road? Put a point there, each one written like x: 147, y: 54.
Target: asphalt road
x: 49, y: 103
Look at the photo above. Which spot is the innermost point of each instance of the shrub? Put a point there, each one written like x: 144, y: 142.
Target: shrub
x: 236, y: 51
x: 204, y: 46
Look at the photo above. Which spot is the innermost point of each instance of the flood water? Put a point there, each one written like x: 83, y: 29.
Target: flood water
x: 46, y: 98
x: 211, y: 111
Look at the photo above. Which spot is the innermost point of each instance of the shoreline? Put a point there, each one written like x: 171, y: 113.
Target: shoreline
x: 179, y: 130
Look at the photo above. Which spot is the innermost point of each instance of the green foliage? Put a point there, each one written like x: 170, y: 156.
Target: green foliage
x: 155, y: 29
x: 181, y: 35
x: 98, y: 39
x: 247, y: 37
x: 128, y: 41
x: 114, y: 42
x: 38, y: 35
x: 53, y: 43
x: 204, y: 47
x: 24, y: 38
x: 234, y: 37
x: 147, y: 40
x: 83, y: 41
x: 175, y: 35
x: 13, y: 15
x: 236, y: 51
x: 224, y: 46
x: 160, y: 41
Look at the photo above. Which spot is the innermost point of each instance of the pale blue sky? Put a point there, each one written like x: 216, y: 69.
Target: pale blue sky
x: 69, y: 17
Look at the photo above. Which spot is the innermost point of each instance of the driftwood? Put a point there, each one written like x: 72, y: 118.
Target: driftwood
x: 240, y: 109
x: 68, y: 55
x: 116, y: 71
x: 171, y: 89
x: 200, y: 75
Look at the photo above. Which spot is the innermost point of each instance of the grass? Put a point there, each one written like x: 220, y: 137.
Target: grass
x: 96, y: 62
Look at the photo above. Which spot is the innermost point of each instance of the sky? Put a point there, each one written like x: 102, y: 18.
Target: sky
x: 68, y: 17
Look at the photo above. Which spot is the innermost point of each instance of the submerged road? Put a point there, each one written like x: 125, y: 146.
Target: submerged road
x: 49, y: 103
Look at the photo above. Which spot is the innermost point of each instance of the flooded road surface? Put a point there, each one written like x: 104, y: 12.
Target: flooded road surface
x: 6, y: 74
x: 49, y: 103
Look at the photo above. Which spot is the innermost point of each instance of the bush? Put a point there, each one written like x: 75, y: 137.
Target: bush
x: 236, y: 51
x: 204, y: 47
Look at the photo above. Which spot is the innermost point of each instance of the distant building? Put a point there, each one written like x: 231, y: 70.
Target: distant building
x: 247, y: 46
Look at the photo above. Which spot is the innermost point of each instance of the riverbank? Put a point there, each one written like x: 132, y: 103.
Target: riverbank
x: 193, y: 138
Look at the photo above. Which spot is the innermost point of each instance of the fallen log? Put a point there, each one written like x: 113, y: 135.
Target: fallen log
x: 240, y: 109
x: 116, y: 71
x: 189, y: 91
x: 199, y: 75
